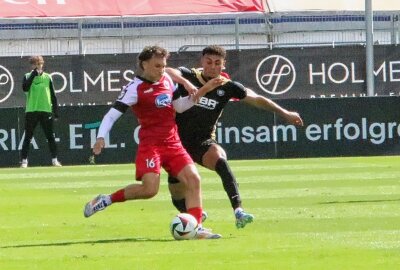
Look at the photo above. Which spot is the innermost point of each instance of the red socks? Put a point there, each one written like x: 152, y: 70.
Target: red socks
x: 118, y: 196
x: 196, y: 212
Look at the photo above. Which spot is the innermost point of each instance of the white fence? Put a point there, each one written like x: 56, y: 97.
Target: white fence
x: 21, y: 37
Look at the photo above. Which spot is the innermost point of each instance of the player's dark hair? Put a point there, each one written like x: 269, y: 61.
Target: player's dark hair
x: 149, y: 51
x: 214, y: 50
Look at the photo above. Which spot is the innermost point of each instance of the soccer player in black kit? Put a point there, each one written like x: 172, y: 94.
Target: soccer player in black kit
x: 197, y: 125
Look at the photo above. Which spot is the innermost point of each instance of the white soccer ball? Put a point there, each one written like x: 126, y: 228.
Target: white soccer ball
x: 184, y: 226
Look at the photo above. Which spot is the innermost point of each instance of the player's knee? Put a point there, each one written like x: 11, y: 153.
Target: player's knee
x: 221, y: 154
x: 194, y: 180
x: 214, y: 153
x: 189, y: 177
x: 149, y: 192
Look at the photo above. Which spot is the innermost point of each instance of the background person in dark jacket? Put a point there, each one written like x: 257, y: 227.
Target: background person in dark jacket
x: 41, y: 107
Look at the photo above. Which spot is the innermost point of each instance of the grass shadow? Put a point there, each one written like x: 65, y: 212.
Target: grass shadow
x: 361, y: 201
x: 92, y: 242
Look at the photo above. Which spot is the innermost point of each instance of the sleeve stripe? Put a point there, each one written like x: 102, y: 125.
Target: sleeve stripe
x: 121, y: 107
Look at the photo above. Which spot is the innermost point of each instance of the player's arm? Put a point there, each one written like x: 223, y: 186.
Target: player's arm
x: 182, y: 104
x: 209, y: 86
x: 27, y: 82
x: 121, y: 105
x: 54, y: 103
x: 176, y: 76
x: 106, y: 125
x: 267, y: 104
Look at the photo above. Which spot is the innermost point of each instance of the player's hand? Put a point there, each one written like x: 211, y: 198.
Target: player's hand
x: 35, y: 72
x: 208, y: 87
x: 190, y: 87
x: 294, y: 119
x: 214, y: 83
x: 98, y: 146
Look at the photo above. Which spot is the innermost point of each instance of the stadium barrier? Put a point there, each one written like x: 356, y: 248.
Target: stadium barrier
x: 332, y: 127
x: 280, y: 73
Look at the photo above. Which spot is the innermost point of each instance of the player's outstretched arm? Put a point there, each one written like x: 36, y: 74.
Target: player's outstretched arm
x: 106, y: 124
x: 185, y: 103
x: 176, y: 76
x: 269, y: 105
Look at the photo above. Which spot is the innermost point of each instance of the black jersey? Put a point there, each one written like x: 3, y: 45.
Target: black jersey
x: 199, y: 122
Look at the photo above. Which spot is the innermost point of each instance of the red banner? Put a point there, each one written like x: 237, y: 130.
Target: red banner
x: 77, y: 8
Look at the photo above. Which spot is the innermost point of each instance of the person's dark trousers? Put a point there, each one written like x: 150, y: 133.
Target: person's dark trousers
x: 32, y: 119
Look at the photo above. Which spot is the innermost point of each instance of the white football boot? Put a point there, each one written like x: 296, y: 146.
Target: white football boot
x: 203, y: 233
x: 97, y: 204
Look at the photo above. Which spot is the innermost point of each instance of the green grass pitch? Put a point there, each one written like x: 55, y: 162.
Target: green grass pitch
x: 327, y: 213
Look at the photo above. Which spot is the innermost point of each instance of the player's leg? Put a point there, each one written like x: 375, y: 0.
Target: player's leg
x: 180, y: 165
x: 176, y: 188
x: 177, y: 191
x: 46, y: 122
x: 31, y: 121
x: 191, y: 178
x: 215, y: 159
x: 147, y: 170
x: 147, y: 189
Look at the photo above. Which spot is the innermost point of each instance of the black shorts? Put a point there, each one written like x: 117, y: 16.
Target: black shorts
x: 196, y: 151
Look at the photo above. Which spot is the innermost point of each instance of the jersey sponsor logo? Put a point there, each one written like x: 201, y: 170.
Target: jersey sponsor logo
x: 148, y: 90
x: 207, y: 103
x: 163, y: 100
x: 275, y: 74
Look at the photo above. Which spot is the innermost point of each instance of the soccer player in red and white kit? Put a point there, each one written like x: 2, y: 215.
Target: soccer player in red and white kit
x: 150, y: 98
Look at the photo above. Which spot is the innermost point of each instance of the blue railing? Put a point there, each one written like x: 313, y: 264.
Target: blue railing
x: 190, y: 22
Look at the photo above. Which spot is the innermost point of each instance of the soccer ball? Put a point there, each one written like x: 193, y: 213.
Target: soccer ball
x: 183, y: 227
